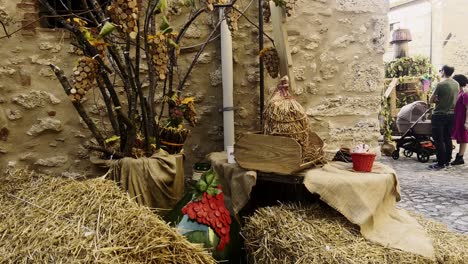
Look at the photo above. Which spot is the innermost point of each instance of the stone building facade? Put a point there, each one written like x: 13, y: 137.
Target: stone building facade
x: 438, y: 30
x: 337, y: 48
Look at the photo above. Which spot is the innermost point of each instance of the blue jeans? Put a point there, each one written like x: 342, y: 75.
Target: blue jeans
x: 442, y: 135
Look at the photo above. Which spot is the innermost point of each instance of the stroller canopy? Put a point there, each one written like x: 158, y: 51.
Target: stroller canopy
x: 411, y: 112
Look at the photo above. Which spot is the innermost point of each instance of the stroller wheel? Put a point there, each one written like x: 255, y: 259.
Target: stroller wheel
x: 423, y: 156
x: 408, y: 153
x: 396, y: 154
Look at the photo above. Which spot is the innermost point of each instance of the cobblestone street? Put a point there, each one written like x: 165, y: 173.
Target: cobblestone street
x: 440, y: 195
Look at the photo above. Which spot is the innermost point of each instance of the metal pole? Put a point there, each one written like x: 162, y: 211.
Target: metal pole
x: 260, y: 47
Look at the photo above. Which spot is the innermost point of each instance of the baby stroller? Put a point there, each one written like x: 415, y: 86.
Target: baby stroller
x: 416, y: 138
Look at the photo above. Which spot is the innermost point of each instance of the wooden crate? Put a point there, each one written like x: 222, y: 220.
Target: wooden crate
x: 272, y: 154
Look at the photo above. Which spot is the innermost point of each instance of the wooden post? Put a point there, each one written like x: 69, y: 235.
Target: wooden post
x: 261, y: 66
x: 278, y: 18
x: 393, y: 98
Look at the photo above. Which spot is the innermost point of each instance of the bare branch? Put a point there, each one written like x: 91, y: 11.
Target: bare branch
x: 4, y: 29
x: 78, y: 106
x: 252, y: 23
x: 107, y: 151
x: 110, y: 111
x: 195, y: 59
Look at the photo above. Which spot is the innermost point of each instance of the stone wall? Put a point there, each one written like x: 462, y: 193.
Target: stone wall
x: 336, y: 46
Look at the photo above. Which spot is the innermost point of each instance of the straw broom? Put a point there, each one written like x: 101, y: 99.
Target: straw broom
x: 56, y: 220
x: 318, y: 234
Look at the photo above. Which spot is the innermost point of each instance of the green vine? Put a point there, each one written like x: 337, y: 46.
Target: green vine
x: 387, y: 119
x: 410, y: 66
x: 411, y: 72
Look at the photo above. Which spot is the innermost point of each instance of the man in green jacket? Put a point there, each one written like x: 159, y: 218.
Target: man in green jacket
x: 444, y: 97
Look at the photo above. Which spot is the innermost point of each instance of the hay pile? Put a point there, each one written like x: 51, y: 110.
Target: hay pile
x: 55, y: 220
x: 318, y: 234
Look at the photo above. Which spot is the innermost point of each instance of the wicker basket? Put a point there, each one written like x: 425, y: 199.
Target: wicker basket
x: 363, y: 161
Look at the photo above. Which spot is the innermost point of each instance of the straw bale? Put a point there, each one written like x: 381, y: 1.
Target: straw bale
x: 318, y: 234
x: 56, y: 220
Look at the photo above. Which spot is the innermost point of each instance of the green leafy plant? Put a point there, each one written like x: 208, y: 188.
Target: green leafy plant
x: 410, y: 66
x: 386, y: 129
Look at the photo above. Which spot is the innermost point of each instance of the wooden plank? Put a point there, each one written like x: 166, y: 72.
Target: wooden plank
x: 280, y: 35
x: 416, y: 81
x: 393, y: 98
x: 271, y: 177
x: 391, y: 87
x: 275, y: 154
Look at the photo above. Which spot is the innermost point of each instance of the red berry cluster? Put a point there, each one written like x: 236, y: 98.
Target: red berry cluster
x: 211, y: 211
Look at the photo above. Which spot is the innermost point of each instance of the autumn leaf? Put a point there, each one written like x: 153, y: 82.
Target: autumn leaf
x: 188, y: 100
x: 78, y: 21
x: 112, y: 139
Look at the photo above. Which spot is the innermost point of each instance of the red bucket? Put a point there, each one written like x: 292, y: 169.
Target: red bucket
x: 363, y: 161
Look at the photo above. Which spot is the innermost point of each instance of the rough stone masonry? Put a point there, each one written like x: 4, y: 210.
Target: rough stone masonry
x: 336, y: 45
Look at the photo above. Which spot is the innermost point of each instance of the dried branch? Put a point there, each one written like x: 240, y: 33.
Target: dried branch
x: 110, y: 111
x: 242, y: 13
x: 86, y: 6
x: 147, y: 28
x: 8, y: 35
x: 99, y: 12
x: 107, y: 151
x: 179, y: 37
x: 144, y: 112
x: 4, y: 29
x: 130, y: 70
x: 131, y: 132
x: 122, y: 70
x: 78, y: 106
x: 195, y: 59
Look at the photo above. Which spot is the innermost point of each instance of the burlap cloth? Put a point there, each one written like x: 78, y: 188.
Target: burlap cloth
x: 237, y: 183
x: 156, y: 182
x: 369, y: 200
x: 366, y: 199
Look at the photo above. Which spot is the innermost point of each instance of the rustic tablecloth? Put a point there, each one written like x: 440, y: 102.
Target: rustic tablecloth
x: 366, y: 199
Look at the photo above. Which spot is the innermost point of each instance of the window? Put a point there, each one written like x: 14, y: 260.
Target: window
x: 67, y: 8
x: 394, y: 25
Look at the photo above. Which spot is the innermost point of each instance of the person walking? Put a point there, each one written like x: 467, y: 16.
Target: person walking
x: 460, y: 123
x: 444, y: 97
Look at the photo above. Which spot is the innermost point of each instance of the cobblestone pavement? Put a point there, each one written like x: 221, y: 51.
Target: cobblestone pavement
x: 441, y: 195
